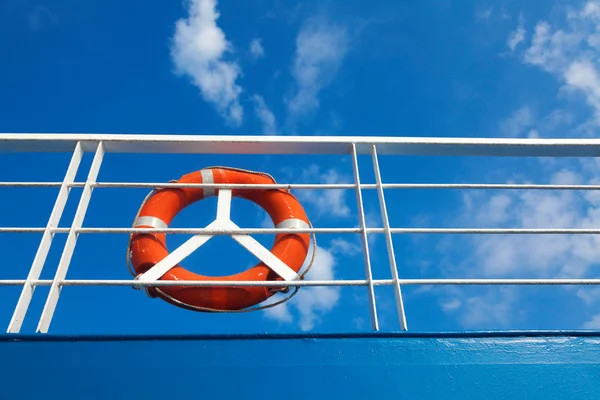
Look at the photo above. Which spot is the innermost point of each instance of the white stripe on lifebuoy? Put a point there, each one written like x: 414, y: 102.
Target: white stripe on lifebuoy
x: 154, y: 222
x: 207, y: 177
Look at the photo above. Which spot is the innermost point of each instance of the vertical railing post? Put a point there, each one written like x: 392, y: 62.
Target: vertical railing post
x: 35, y: 271
x: 365, y: 242
x: 388, y: 240
x: 65, y: 259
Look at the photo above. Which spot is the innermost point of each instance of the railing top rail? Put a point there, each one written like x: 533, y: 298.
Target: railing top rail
x: 241, y: 144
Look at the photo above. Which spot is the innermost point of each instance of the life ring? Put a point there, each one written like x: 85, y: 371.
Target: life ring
x: 163, y: 205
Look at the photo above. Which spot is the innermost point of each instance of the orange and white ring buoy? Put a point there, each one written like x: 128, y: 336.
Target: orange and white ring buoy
x: 146, y: 249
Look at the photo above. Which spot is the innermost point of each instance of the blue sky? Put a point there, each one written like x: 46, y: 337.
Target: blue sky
x: 382, y: 68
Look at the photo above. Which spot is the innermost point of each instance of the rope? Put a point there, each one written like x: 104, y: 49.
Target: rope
x: 215, y: 310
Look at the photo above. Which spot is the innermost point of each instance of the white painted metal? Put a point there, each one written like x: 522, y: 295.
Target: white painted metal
x: 376, y: 147
x: 365, y: 241
x: 339, y: 282
x: 65, y: 259
x: 249, y: 231
x: 264, y: 255
x: 224, y: 205
x: 388, y: 241
x: 18, y: 316
x: 302, y: 186
x: 32, y: 184
x: 266, y: 144
x: 177, y: 255
x: 339, y: 186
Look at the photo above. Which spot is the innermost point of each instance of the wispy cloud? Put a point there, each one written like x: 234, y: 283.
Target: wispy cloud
x: 526, y: 256
x: 518, y: 122
x: 517, y: 36
x: 344, y: 247
x: 484, y: 14
x: 494, y: 309
x: 451, y: 305
x: 280, y: 313
x: 330, y: 202
x: 265, y: 115
x: 198, y: 50
x: 571, y: 54
x: 311, y: 303
x: 488, y: 14
x: 317, y: 301
x: 373, y: 220
x: 536, y: 255
x: 321, y: 46
x: 589, y: 295
x: 256, y: 49
x: 480, y: 308
x: 593, y: 323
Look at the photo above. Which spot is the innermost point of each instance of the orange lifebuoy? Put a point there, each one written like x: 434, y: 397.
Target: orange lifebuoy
x: 161, y: 207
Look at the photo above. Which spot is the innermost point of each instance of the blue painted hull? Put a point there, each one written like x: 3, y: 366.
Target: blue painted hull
x: 507, y: 365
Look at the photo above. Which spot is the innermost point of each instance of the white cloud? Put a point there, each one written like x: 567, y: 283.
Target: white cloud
x: 344, y: 247
x: 593, y: 323
x: 329, y: 202
x: 523, y: 123
x: 492, y: 310
x: 316, y: 301
x: 518, y: 122
x: 484, y: 14
x: 589, y: 295
x: 451, y: 305
x: 491, y: 307
x: 535, y: 255
x: 265, y: 115
x: 526, y: 256
x: 571, y: 54
x: 256, y: 49
x: 479, y: 307
x: 280, y: 313
x: 373, y: 220
x: 359, y: 323
x: 517, y: 36
x: 583, y: 76
x: 311, y: 303
x: 320, y: 49
x: 198, y: 50
x: 490, y: 15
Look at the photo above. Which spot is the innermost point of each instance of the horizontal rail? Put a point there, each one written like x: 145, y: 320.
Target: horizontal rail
x: 261, y: 144
x: 227, y: 185
x: 34, y: 184
x: 261, y: 231
x: 358, y: 282
x: 308, y: 186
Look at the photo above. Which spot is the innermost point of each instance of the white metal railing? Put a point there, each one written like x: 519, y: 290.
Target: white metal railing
x: 353, y: 146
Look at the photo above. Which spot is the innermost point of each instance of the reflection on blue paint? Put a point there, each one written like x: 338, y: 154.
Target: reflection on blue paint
x: 507, y: 365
